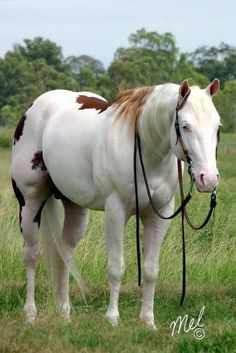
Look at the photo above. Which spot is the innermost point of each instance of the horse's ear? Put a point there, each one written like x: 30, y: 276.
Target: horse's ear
x: 213, y: 87
x: 184, y: 92
x: 184, y: 89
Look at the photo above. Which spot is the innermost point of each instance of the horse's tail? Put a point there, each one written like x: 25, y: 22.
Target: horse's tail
x: 54, y: 250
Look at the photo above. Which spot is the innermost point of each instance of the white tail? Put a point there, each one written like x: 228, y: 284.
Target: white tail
x: 51, y: 230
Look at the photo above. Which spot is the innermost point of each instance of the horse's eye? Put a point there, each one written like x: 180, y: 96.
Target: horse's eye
x: 185, y: 128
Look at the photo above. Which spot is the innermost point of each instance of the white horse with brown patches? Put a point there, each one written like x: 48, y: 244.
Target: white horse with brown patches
x: 78, y: 148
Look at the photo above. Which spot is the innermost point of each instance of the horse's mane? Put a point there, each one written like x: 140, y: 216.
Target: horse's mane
x: 157, y: 106
x: 129, y: 103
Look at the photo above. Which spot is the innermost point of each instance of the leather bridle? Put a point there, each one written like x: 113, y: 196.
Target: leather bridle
x: 184, y: 200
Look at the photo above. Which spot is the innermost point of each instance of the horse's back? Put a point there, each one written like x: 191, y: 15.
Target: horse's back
x: 41, y: 111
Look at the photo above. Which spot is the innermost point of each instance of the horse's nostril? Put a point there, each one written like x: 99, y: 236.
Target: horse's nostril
x: 202, y: 178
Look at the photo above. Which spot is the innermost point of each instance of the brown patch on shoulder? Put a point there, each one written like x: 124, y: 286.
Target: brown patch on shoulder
x: 92, y: 103
x: 129, y: 103
x: 38, y: 162
x: 19, y: 129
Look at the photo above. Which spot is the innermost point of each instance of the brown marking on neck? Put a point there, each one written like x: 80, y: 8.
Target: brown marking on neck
x: 92, y: 103
x: 129, y: 104
x: 19, y: 129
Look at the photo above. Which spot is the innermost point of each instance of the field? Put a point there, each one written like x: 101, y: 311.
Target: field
x: 211, y: 282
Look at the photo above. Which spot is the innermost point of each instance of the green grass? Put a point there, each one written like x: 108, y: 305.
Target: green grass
x: 6, y: 136
x: 211, y: 270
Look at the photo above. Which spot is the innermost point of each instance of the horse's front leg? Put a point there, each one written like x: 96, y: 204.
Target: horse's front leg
x: 155, y: 229
x: 115, y: 218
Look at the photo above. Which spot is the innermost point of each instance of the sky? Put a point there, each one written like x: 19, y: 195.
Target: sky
x: 99, y: 27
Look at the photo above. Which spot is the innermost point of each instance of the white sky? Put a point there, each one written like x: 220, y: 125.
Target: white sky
x: 99, y: 27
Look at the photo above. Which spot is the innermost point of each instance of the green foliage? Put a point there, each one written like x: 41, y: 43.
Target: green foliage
x: 77, y: 62
x: 40, y: 48
x: 38, y: 65
x: 26, y: 73
x: 187, y: 70
x: 6, y: 137
x: 216, y: 62
x: 150, y: 59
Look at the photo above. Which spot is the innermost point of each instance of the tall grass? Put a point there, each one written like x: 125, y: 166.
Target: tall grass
x: 211, y: 269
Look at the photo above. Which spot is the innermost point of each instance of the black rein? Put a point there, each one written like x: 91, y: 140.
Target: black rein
x: 184, y: 201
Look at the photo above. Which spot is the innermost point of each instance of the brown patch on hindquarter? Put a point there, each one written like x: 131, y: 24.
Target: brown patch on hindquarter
x: 19, y: 129
x: 20, y: 126
x: 20, y: 199
x: 92, y: 103
x: 129, y: 103
x: 38, y: 162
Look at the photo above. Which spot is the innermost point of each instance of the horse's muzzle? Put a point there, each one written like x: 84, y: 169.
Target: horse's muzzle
x: 206, y: 182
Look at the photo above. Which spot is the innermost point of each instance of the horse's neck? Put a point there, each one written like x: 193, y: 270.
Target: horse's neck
x: 155, y: 125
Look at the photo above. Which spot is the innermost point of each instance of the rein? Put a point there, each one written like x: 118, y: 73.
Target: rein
x: 184, y: 200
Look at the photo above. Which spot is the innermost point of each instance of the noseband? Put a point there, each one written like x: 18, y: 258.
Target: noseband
x: 184, y: 200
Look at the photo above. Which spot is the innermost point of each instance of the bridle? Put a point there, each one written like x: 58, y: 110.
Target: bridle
x: 190, y: 169
x: 184, y: 200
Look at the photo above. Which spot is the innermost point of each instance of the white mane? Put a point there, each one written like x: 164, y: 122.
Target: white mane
x: 158, y: 113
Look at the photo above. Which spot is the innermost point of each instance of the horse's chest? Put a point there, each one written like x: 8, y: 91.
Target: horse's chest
x: 162, y: 183
x: 162, y: 190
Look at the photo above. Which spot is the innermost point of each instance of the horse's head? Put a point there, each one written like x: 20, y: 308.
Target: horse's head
x: 195, y: 132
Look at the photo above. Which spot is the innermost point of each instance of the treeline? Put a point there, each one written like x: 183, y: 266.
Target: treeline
x: 38, y: 65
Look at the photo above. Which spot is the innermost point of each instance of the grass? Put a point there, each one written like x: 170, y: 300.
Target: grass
x: 211, y: 269
x: 6, y: 134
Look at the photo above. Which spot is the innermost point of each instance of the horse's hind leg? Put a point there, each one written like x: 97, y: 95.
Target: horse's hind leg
x: 31, y: 202
x: 32, y: 189
x: 30, y: 233
x: 73, y: 230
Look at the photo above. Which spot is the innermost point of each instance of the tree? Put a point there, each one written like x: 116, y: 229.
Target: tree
x: 215, y: 62
x: 23, y: 79
x: 40, y: 48
x: 89, y: 72
x: 150, y: 59
x: 226, y: 105
x: 76, y: 63
x: 87, y: 79
x: 186, y: 70
x: 38, y: 65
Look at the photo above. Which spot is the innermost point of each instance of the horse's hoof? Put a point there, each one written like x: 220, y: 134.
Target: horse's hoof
x: 64, y: 310
x: 112, y: 318
x: 149, y: 321
x: 152, y: 326
x: 30, y: 313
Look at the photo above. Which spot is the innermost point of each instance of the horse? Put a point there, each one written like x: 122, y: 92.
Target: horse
x: 76, y: 148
